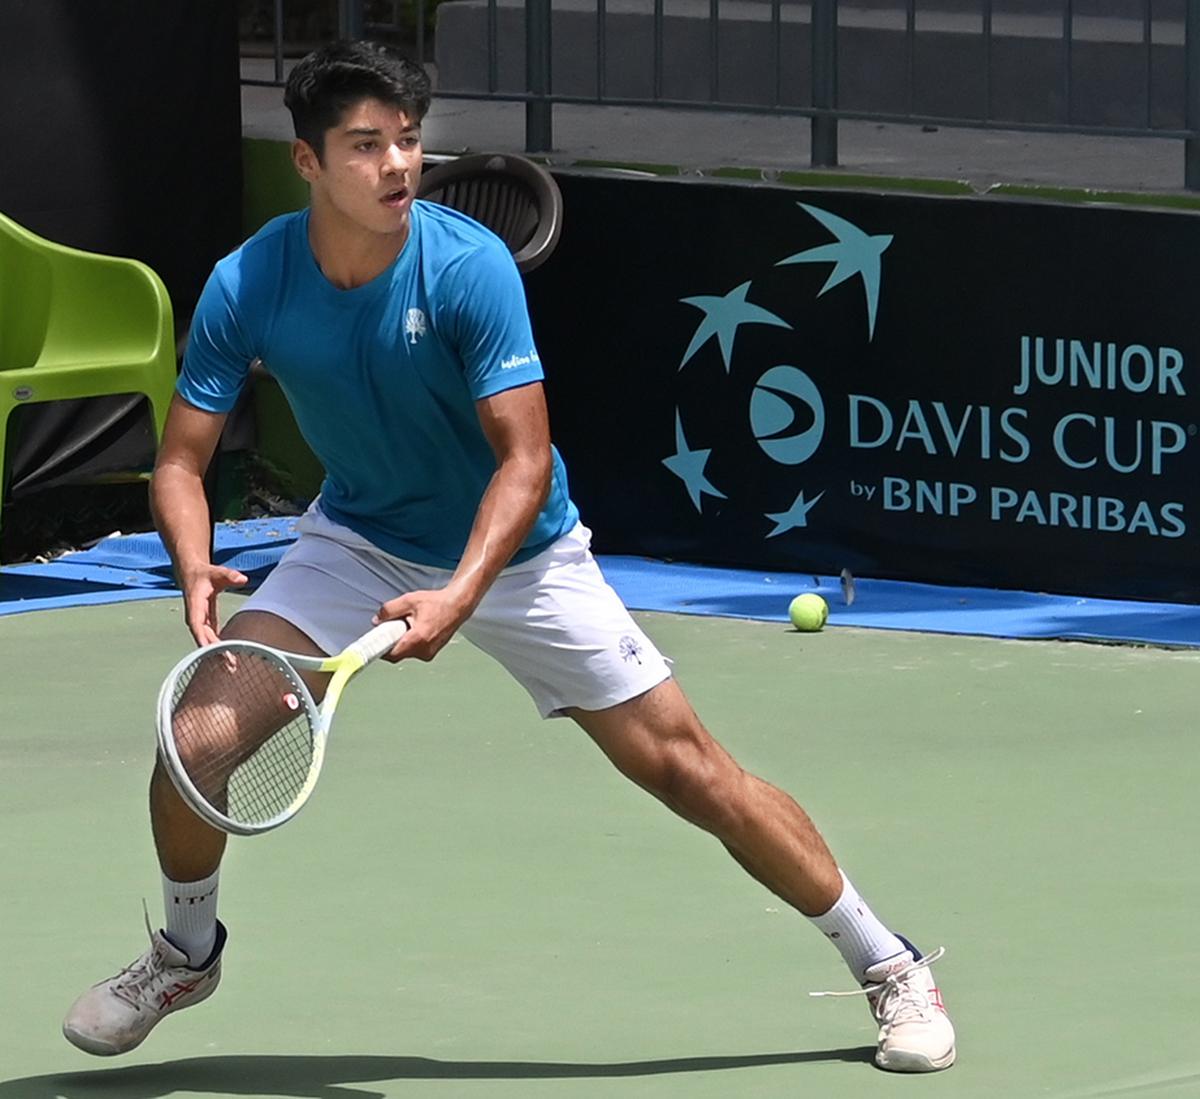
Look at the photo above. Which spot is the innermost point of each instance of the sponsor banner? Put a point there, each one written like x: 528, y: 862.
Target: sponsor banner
x: 947, y: 390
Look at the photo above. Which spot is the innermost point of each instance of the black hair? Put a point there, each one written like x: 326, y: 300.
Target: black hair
x: 335, y: 76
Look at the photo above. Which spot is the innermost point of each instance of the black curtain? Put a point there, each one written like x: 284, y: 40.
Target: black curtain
x: 120, y: 132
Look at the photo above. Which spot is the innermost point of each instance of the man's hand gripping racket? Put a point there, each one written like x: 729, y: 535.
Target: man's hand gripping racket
x: 240, y: 733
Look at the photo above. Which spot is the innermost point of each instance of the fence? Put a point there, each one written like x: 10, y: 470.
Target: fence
x: 1126, y: 68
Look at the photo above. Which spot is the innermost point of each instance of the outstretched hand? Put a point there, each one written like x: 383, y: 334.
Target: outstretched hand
x: 200, y: 591
x: 433, y: 617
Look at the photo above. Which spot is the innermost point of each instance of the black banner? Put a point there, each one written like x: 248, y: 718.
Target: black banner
x: 121, y: 128
x: 120, y: 123
x: 947, y: 390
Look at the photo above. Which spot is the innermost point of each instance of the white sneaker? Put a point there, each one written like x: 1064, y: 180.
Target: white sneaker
x: 915, y: 1033
x: 115, y: 1015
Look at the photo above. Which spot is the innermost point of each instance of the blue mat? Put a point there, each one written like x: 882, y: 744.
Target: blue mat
x: 136, y: 566
x: 132, y: 567
x: 898, y: 605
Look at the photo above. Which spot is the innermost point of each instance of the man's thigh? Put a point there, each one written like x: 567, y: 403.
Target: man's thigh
x: 270, y: 629
x: 563, y: 633
x: 329, y: 590
x: 554, y: 623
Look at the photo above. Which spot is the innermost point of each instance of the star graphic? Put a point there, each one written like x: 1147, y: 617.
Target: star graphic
x: 795, y: 516
x: 722, y: 316
x: 688, y: 466
x: 855, y: 253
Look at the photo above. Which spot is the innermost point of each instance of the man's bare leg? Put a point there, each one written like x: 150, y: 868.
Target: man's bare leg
x: 657, y: 740
x: 189, y: 849
x: 183, y: 965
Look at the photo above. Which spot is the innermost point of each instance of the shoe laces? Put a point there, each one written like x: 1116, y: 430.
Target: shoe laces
x: 898, y: 998
x: 135, y: 984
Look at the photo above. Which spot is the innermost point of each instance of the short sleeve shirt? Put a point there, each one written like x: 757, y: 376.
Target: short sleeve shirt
x: 383, y: 378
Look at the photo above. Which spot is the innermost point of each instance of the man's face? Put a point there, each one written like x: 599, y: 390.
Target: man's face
x: 371, y: 169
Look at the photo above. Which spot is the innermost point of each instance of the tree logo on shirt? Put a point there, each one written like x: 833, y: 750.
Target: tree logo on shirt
x: 414, y: 325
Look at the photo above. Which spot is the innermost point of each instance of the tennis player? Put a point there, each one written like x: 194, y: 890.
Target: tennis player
x: 399, y: 332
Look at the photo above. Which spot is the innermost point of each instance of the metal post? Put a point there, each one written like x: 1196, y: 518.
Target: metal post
x: 824, y: 83
x: 1191, y: 145
x: 539, y: 121
x: 987, y: 59
x: 277, y: 41
x: 350, y: 20
x: 1148, y: 42
x: 659, y: 8
x: 601, y: 49
x: 714, y: 50
x: 777, y: 51
x: 1068, y: 61
x: 910, y: 51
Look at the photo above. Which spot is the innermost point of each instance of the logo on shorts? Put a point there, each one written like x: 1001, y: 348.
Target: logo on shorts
x: 414, y: 325
x: 630, y: 649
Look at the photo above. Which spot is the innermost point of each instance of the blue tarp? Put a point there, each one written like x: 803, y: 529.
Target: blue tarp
x: 123, y: 568
x: 136, y: 566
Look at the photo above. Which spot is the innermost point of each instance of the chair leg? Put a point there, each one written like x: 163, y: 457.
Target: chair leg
x: 5, y: 412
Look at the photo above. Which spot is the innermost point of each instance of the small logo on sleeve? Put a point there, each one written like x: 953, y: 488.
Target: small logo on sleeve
x: 520, y: 360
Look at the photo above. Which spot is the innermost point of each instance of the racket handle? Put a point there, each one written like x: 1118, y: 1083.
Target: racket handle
x: 379, y: 640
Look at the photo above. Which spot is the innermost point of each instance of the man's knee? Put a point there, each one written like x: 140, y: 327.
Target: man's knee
x: 658, y: 742
x: 696, y: 778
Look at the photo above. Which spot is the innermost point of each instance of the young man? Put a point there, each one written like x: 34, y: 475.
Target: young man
x: 399, y: 332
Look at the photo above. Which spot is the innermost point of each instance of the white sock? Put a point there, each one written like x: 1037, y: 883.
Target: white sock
x: 856, y: 931
x: 191, y: 908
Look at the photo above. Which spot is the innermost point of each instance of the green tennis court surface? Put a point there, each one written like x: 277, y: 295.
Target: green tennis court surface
x: 475, y: 904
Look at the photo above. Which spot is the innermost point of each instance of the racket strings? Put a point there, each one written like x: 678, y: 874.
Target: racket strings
x: 244, y: 733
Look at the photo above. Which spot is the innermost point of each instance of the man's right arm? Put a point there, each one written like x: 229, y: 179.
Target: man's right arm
x: 182, y: 517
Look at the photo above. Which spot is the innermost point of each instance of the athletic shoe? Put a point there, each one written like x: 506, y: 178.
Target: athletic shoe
x: 115, y: 1015
x: 915, y: 1033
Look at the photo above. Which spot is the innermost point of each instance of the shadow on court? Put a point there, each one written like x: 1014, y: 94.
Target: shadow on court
x: 310, y: 1077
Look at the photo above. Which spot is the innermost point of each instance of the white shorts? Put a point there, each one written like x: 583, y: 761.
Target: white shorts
x: 553, y: 621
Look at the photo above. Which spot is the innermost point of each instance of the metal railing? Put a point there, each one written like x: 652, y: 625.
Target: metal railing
x: 1094, y: 66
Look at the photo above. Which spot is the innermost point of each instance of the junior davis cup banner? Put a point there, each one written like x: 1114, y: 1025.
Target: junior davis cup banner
x: 970, y: 391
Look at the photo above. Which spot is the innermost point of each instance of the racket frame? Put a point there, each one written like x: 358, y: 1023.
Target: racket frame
x: 343, y: 666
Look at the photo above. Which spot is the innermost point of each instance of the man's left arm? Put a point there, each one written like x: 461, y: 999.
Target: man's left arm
x: 517, y: 427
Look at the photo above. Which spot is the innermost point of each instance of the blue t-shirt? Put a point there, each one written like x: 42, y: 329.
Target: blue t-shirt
x: 382, y: 379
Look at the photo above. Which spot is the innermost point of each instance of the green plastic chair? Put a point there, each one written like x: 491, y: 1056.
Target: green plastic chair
x: 75, y: 324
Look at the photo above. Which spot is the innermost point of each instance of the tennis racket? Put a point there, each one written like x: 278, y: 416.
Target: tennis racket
x: 240, y: 733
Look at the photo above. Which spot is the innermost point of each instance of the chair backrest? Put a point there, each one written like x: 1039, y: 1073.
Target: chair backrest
x: 514, y: 197
x: 61, y: 304
x: 25, y: 280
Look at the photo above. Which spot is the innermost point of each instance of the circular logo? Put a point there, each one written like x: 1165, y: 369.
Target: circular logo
x: 783, y: 402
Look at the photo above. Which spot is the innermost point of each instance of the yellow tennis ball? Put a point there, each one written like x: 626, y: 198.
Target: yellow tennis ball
x: 808, y: 612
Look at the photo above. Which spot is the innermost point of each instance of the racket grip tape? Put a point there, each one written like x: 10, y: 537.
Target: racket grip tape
x: 379, y: 640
